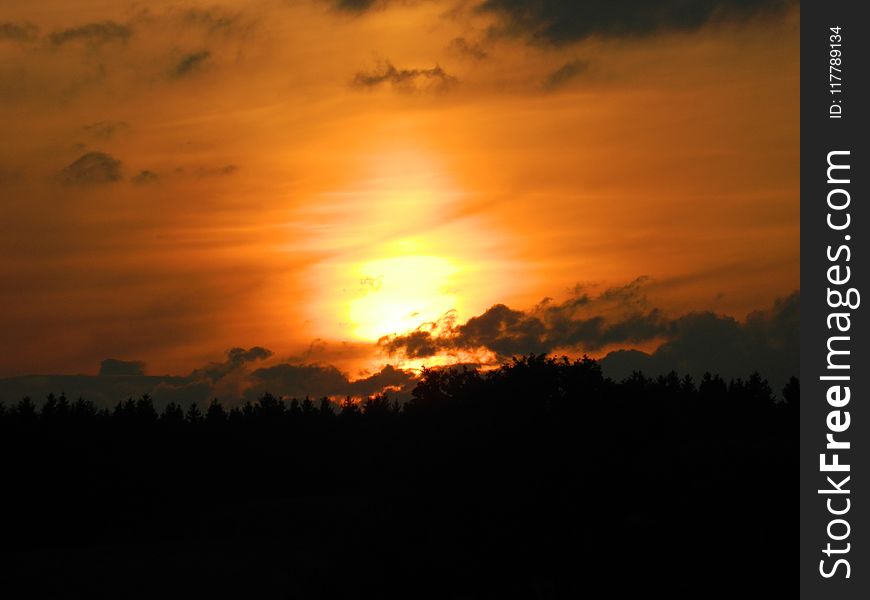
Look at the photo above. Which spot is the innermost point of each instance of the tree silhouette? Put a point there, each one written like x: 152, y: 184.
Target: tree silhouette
x: 215, y: 415
x: 193, y: 416
x: 499, y: 482
x: 791, y: 393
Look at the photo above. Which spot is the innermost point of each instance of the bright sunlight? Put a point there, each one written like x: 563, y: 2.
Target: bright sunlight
x: 400, y: 293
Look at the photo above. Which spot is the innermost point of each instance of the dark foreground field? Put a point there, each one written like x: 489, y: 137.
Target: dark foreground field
x: 540, y: 480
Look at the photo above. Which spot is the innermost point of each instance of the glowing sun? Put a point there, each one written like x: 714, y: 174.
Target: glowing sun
x: 400, y: 293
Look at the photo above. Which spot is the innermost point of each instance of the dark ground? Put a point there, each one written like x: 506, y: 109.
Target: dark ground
x: 541, y: 480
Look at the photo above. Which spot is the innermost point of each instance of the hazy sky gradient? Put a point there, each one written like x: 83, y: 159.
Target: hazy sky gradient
x: 182, y: 178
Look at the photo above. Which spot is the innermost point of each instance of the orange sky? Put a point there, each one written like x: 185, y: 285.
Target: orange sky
x: 309, y: 179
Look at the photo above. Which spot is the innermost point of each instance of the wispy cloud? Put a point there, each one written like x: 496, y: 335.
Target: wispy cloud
x: 190, y: 63
x: 92, y: 168
x: 463, y: 47
x: 434, y: 78
x: 18, y: 32
x: 566, y: 73
x: 558, y: 22
x: 93, y: 33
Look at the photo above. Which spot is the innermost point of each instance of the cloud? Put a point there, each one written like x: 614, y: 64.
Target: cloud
x: 232, y: 381
x: 355, y: 6
x: 183, y: 391
x: 104, y: 391
x: 236, y: 359
x: 434, y: 79
x: 564, y: 74
x: 398, y: 381
x: 616, y: 315
x: 113, y: 367
x: 693, y: 343
x: 558, y: 22
x: 313, y: 380
x: 297, y: 381
x: 216, y: 171
x: 145, y: 177
x: 106, y: 129
x: 463, y: 47
x: 417, y: 344
x: 18, y: 32
x: 504, y: 331
x: 190, y: 63
x: 213, y: 20
x: 92, y: 33
x: 92, y: 168
x: 767, y: 341
x: 239, y: 356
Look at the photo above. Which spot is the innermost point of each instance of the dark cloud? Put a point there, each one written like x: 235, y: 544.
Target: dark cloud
x: 504, y: 331
x: 564, y: 74
x: 213, y: 20
x: 238, y: 356
x: 18, y: 32
x: 216, y: 171
x: 417, y: 344
x: 106, y: 129
x: 293, y: 380
x: 104, y: 391
x: 355, y: 6
x: 236, y: 359
x: 113, y: 367
x: 617, y: 315
x: 559, y: 22
x: 297, y: 381
x: 398, y: 381
x: 144, y: 177
x: 463, y: 47
x: 190, y: 63
x: 183, y: 391
x: 231, y: 380
x: 693, y: 343
x: 632, y: 294
x: 767, y: 341
x: 92, y: 168
x: 433, y: 79
x: 92, y: 33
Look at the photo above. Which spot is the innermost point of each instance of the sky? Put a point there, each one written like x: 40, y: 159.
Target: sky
x: 318, y: 193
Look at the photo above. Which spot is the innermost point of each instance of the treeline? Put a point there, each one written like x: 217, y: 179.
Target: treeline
x: 532, y: 480
x: 532, y: 384
x: 58, y: 410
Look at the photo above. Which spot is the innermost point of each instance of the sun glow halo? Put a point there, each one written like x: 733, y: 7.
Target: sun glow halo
x: 400, y: 293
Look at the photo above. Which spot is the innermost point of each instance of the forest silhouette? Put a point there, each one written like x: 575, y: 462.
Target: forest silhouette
x: 539, y: 479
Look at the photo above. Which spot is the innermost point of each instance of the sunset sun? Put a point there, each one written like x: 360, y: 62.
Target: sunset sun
x: 400, y: 293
